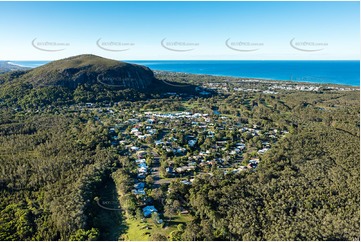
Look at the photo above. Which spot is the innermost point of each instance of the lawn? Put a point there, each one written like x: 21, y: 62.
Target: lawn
x: 137, y: 230
x: 142, y: 231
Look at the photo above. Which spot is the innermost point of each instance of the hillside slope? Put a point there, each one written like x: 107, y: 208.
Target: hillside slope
x: 73, y: 71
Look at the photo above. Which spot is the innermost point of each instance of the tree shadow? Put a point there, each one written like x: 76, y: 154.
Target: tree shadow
x: 108, y: 214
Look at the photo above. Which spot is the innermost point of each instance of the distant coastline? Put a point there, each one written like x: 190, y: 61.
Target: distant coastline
x: 322, y: 72
x: 15, y: 64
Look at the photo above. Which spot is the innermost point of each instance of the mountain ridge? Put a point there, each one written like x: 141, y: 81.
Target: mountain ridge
x: 84, y: 78
x: 73, y: 71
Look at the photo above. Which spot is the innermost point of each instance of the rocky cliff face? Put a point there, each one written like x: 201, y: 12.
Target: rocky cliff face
x: 91, y: 69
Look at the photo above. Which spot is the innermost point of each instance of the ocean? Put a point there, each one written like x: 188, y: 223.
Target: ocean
x: 333, y: 72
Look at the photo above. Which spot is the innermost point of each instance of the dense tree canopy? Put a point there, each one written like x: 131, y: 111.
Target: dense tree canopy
x: 57, y: 157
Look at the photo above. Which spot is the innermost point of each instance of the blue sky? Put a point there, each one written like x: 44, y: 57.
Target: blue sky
x: 189, y: 30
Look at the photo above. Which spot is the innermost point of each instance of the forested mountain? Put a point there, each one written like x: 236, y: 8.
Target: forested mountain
x: 83, y: 78
x: 74, y: 71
